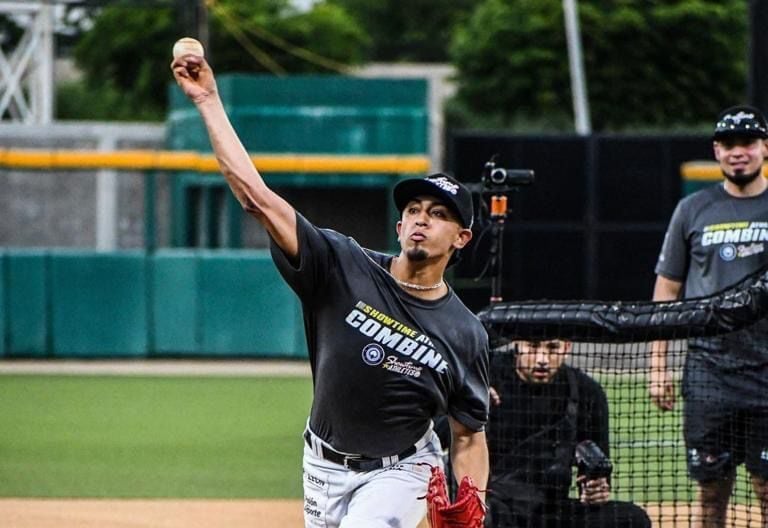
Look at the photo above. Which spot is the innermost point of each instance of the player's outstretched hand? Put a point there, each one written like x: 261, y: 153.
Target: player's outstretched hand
x: 195, y: 77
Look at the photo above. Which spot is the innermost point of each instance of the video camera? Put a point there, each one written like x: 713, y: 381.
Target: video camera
x: 500, y: 180
x: 496, y: 184
x: 591, y: 461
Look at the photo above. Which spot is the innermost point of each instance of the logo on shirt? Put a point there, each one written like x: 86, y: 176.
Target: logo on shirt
x: 373, y: 354
x: 728, y: 252
x: 736, y: 239
x: 408, y: 368
x: 390, y: 334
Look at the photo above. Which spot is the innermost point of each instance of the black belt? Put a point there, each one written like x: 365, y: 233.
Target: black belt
x: 357, y: 462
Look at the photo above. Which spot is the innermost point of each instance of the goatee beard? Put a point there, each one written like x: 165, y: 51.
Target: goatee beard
x: 742, y: 179
x: 416, y: 255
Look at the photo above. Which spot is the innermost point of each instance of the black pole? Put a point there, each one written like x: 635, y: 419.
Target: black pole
x: 498, y: 216
x: 203, y: 29
x: 757, y: 55
x: 193, y: 21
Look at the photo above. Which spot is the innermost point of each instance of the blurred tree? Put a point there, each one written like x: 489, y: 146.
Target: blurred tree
x: 323, y: 32
x: 10, y: 33
x: 409, y: 30
x: 648, y: 63
x: 126, y: 53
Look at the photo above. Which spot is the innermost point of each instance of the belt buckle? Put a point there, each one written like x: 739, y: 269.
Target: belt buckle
x: 347, y: 458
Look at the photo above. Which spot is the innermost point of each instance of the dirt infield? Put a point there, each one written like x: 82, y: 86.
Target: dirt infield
x: 681, y: 515
x: 113, y: 513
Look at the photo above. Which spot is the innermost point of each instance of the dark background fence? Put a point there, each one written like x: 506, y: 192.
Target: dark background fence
x: 592, y: 223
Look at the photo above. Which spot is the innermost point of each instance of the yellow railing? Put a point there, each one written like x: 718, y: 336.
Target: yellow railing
x: 705, y: 171
x: 700, y: 171
x: 195, y: 161
x: 151, y: 161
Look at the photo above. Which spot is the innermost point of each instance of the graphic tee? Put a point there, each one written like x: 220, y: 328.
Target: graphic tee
x: 384, y: 362
x: 713, y: 241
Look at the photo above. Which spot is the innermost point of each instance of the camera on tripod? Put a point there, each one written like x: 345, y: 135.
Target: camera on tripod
x: 500, y: 180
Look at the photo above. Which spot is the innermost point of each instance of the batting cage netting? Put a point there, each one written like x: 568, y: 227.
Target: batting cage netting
x: 707, y: 362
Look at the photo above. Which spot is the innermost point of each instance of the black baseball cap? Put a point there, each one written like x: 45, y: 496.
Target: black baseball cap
x: 740, y: 121
x: 446, y: 188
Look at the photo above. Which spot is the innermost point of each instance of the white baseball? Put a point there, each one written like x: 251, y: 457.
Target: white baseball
x: 187, y: 46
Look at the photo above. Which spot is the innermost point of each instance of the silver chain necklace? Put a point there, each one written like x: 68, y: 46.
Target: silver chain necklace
x: 410, y: 285
x: 419, y: 287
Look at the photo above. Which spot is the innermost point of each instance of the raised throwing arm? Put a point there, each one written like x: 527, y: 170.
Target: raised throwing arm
x: 195, y: 78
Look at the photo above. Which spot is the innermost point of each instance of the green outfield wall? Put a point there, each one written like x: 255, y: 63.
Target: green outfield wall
x: 3, y: 309
x: 169, y: 303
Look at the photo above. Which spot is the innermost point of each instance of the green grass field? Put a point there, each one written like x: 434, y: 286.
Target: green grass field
x: 223, y: 437
x: 112, y: 436
x: 648, y: 450
x: 647, y: 444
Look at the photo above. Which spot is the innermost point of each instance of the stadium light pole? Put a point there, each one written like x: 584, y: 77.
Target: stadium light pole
x: 576, y: 63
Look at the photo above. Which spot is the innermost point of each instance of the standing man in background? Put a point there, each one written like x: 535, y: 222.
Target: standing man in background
x: 714, y: 240
x: 390, y: 344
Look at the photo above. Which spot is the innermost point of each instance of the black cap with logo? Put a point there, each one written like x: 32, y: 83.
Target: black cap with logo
x: 452, y: 193
x: 740, y: 121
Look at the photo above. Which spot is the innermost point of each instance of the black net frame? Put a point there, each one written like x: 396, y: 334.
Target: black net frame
x: 611, y: 343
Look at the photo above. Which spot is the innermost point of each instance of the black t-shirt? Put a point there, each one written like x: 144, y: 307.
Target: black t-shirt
x: 528, y: 432
x: 713, y: 241
x: 383, y: 362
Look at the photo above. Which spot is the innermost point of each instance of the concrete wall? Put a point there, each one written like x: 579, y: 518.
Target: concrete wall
x: 441, y: 87
x: 80, y: 209
x: 104, y: 210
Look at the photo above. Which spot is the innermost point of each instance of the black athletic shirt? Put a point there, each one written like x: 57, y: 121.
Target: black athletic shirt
x: 384, y: 363
x: 713, y: 241
x: 526, y: 430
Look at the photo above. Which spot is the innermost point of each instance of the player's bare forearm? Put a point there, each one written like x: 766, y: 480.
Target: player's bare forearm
x: 195, y: 77
x: 469, y: 455
x: 275, y: 214
x: 664, y: 290
x: 660, y: 387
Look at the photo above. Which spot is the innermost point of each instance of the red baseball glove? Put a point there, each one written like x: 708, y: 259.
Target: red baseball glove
x: 468, y: 511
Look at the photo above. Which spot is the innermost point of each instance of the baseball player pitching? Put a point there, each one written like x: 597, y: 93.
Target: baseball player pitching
x: 390, y: 344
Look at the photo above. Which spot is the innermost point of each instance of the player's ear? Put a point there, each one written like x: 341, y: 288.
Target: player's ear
x: 462, y: 238
x: 716, y: 150
x: 398, y: 228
